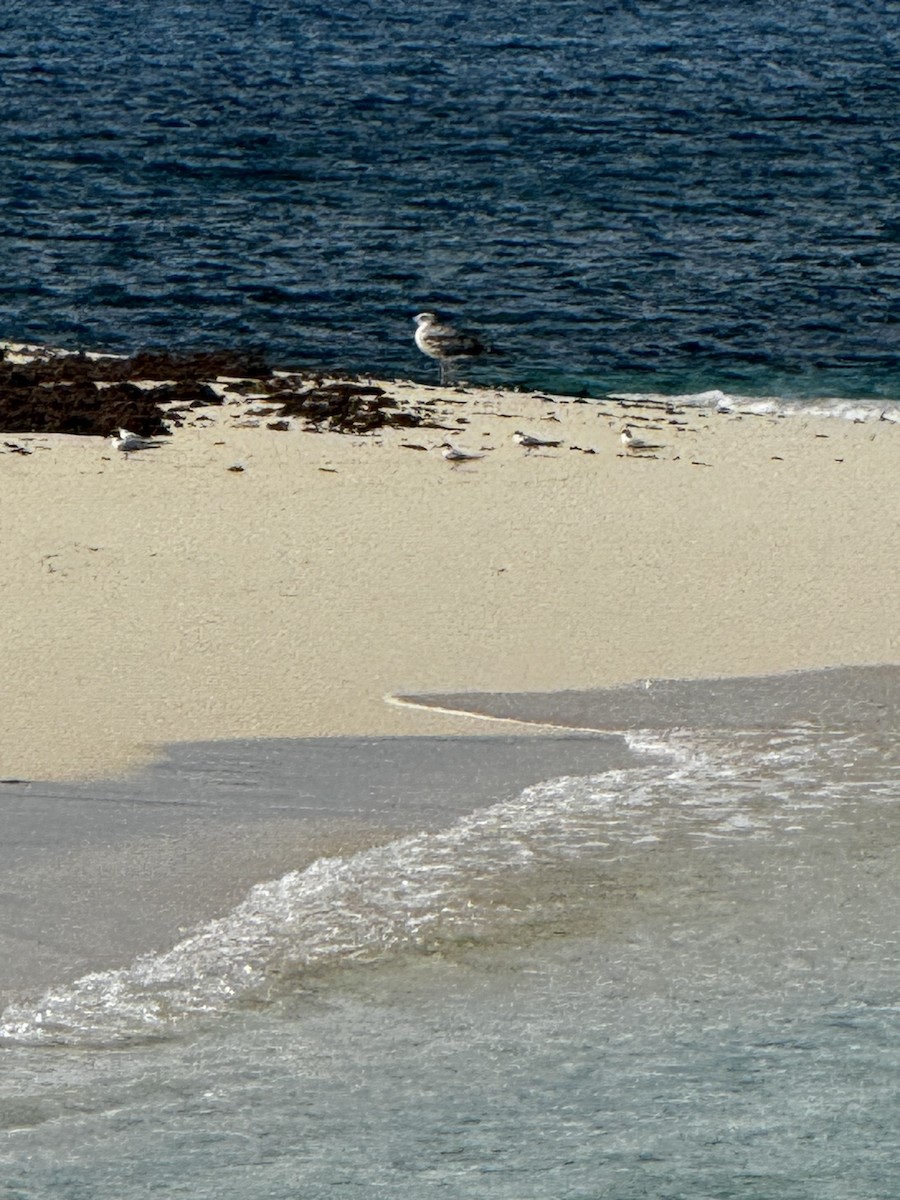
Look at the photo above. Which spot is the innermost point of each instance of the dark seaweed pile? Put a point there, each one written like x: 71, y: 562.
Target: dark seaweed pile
x: 60, y: 394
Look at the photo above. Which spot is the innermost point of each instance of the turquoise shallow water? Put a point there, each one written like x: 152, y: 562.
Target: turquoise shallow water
x: 673, y: 978
x: 529, y: 1076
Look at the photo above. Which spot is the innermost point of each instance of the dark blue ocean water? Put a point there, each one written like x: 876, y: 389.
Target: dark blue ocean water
x: 659, y: 195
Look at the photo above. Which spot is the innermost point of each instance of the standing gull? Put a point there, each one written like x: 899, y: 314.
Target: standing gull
x: 446, y: 343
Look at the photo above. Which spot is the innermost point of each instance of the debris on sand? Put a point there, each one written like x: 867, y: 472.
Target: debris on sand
x: 51, y: 391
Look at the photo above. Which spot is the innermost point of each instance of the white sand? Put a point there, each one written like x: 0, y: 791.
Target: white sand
x: 160, y: 597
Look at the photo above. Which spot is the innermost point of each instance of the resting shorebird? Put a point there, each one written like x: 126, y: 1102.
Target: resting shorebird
x: 632, y: 441
x: 454, y: 454
x: 445, y: 343
x: 128, y: 442
x: 531, y: 441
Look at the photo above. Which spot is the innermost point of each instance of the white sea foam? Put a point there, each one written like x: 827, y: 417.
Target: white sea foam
x: 20, y: 353
x: 475, y: 880
x: 775, y: 406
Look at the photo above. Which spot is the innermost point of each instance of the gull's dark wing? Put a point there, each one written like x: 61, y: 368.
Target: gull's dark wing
x: 453, y: 343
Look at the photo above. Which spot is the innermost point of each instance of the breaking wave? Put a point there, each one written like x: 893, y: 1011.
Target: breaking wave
x: 838, y: 407
x: 501, y: 872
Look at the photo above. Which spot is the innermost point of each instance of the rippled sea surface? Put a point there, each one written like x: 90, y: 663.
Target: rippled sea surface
x: 664, y: 195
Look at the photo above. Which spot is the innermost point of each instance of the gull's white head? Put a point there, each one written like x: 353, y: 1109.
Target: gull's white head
x: 425, y: 318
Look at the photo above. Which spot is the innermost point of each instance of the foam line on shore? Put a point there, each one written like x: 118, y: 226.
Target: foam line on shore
x: 844, y: 408
x: 425, y: 706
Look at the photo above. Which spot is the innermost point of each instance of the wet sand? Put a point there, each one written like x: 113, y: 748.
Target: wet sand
x: 835, y: 698
x: 95, y: 873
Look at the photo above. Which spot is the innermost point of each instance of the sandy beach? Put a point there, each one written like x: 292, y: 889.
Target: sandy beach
x: 163, y: 597
x: 450, y: 569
